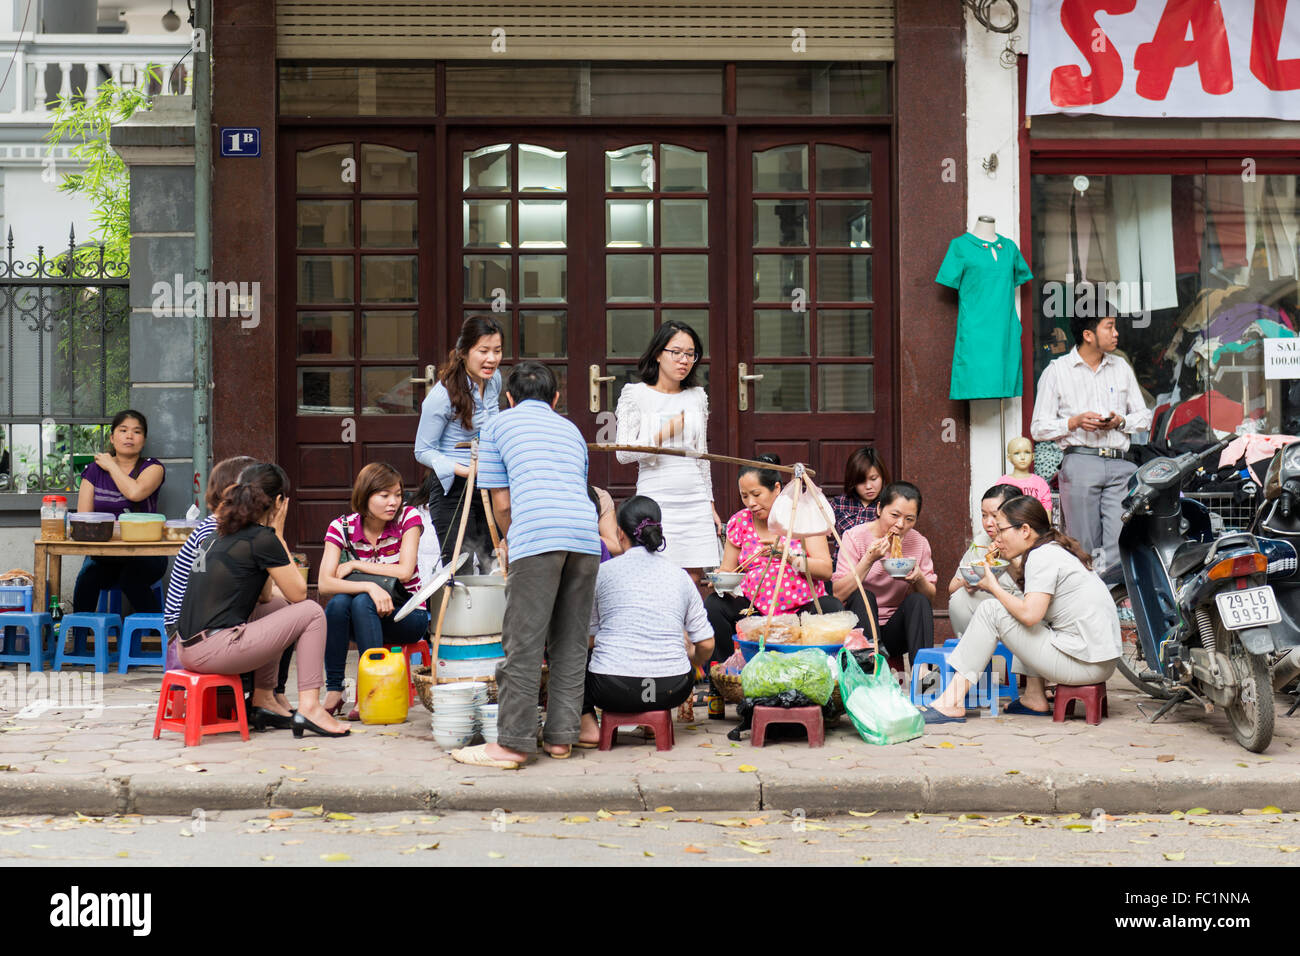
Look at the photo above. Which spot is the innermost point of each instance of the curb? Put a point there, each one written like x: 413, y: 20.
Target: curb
x: 1030, y: 792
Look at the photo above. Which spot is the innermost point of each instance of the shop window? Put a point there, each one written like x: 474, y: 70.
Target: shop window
x: 357, y: 91
x: 1199, y: 270
x: 816, y: 89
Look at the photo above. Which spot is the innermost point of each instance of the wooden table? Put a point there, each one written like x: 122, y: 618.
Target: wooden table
x: 49, y: 559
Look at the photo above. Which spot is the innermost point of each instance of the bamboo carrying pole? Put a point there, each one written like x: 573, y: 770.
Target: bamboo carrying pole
x: 707, y: 456
x: 492, y: 530
x: 455, y: 556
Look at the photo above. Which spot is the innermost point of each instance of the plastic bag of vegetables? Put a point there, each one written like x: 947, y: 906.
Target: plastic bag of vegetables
x: 769, y: 673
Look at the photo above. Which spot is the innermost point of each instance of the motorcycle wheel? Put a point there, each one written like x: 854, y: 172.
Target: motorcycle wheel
x: 1131, y: 663
x: 1251, y: 717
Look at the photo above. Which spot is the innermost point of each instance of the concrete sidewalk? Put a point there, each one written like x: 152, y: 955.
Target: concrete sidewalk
x: 61, y: 761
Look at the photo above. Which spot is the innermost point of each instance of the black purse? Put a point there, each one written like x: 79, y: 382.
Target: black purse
x: 395, y: 589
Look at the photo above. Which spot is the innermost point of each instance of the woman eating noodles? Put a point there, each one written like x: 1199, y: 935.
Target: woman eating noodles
x: 756, y: 550
x: 901, y: 604
x: 964, y: 598
x: 865, y: 475
x: 1064, y: 629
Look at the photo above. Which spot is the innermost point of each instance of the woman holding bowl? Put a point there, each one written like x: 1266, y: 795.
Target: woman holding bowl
x: 668, y: 408
x: 755, y: 549
x: 1064, y: 629
x: 893, y: 561
x: 963, y: 596
x: 467, y: 397
x: 120, y: 480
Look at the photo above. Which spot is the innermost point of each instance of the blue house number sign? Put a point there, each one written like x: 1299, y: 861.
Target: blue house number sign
x: 241, y: 141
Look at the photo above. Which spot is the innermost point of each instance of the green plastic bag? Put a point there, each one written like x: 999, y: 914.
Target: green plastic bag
x: 876, y: 704
x: 768, y: 673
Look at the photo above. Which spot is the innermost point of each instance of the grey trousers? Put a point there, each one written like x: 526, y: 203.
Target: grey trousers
x: 548, y: 609
x: 1092, y: 496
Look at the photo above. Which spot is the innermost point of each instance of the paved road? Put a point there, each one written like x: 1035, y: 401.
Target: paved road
x: 665, y: 838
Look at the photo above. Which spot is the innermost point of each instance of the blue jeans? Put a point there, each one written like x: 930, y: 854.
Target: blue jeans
x: 353, y: 617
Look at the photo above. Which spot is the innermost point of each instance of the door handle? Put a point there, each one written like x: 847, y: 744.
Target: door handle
x: 743, y: 390
x: 594, y: 379
x: 430, y: 376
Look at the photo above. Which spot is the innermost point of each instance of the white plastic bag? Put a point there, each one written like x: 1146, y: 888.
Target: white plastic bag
x: 812, y: 517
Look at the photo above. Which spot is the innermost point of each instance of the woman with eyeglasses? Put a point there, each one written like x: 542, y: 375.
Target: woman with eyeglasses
x: 1063, y: 630
x: 668, y: 408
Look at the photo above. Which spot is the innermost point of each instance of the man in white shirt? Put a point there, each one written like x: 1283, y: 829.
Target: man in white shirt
x: 1089, y: 402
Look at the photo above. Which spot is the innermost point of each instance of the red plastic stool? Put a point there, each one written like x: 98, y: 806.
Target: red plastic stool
x: 421, y: 648
x: 660, y: 721
x: 809, y: 717
x: 1093, y: 697
x: 188, y: 705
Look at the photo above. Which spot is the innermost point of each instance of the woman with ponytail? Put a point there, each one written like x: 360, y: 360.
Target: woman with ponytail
x: 219, y: 630
x: 643, y: 603
x: 1064, y: 629
x: 467, y: 397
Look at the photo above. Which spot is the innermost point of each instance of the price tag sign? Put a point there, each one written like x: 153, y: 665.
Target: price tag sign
x: 241, y: 141
x: 1282, y: 358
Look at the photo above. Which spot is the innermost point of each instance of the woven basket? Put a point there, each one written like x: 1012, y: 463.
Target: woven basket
x: 422, y: 677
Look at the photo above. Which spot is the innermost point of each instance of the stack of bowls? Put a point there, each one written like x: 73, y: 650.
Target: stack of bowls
x: 487, y: 715
x: 455, y: 712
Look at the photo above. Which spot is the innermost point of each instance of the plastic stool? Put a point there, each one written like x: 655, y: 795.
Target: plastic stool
x: 82, y: 628
x: 34, y: 646
x: 660, y: 721
x: 1011, y: 689
x: 16, y: 597
x: 129, y: 652
x: 197, y: 712
x: 937, y: 657
x: 1093, y: 697
x: 809, y: 717
x: 426, y: 659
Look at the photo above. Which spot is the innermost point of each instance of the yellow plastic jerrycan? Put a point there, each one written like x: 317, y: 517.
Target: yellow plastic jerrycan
x: 383, y: 693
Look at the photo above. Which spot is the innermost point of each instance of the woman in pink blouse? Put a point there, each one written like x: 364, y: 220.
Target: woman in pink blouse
x: 901, y: 605
x: 750, y: 544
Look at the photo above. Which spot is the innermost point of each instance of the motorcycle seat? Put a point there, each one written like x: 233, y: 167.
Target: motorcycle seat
x: 1190, y: 554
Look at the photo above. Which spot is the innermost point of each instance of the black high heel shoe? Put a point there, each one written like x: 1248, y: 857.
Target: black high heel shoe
x: 301, y: 724
x: 260, y: 719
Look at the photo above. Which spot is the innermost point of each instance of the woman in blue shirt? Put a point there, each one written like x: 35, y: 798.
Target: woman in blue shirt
x: 466, y: 398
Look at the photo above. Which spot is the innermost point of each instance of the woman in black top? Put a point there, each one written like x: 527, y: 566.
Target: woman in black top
x: 219, y: 630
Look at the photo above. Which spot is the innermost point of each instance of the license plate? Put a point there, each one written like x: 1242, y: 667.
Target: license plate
x: 1248, y: 608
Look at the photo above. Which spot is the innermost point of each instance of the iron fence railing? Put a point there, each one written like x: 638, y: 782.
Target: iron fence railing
x: 64, y: 362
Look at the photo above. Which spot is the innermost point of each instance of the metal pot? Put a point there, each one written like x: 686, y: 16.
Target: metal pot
x: 477, y: 606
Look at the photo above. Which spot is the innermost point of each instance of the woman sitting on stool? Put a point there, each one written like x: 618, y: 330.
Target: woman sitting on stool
x: 901, y: 605
x: 643, y: 604
x: 385, y: 536
x: 964, y: 598
x: 749, y: 541
x: 1063, y: 630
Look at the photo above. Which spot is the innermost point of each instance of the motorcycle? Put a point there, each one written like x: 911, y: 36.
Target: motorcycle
x: 1202, y: 605
x: 1278, y: 518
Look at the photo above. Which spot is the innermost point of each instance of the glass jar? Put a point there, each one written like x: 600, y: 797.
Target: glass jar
x: 54, y: 517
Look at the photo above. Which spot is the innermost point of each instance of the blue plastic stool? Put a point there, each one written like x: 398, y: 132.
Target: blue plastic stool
x: 16, y: 597
x: 21, y: 648
x: 937, y: 657
x: 81, y: 628
x: 1011, y: 689
x: 129, y: 652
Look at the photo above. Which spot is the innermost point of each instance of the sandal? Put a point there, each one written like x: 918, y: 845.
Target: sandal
x: 477, y: 757
x: 586, y: 744
x: 559, y: 756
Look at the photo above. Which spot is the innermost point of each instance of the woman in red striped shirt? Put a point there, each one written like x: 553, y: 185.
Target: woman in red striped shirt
x: 385, y: 534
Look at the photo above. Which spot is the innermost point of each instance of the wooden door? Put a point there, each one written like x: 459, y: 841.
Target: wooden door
x: 356, y: 313
x: 814, y: 277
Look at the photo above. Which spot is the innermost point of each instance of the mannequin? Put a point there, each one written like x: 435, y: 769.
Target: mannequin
x: 985, y: 268
x: 1020, y: 453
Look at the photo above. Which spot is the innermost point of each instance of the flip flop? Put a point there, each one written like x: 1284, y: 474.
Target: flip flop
x: 477, y: 757
x: 585, y: 745
x: 1015, y: 707
x: 933, y: 716
x: 564, y: 756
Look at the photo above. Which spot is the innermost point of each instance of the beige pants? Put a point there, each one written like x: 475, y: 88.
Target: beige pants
x: 1033, y: 653
x: 962, y: 606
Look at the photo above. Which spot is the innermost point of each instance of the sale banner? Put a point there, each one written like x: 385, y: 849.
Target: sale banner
x: 1165, y: 58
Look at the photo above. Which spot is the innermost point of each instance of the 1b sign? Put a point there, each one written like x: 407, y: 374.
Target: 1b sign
x: 241, y: 141
x: 1281, y: 358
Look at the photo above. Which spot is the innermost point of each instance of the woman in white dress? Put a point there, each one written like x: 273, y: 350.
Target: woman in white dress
x: 668, y: 409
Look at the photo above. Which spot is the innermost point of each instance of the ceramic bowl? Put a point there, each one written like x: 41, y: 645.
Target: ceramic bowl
x: 899, y: 567
x: 451, y: 741
x: 725, y: 580
x: 972, y: 576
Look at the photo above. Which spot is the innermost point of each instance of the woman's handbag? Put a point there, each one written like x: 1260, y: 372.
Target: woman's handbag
x: 394, y: 588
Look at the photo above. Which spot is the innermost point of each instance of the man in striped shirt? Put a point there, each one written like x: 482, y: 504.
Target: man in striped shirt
x: 535, y: 462
x: 1089, y: 402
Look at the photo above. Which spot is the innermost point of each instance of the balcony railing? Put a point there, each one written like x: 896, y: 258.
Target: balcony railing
x: 82, y: 62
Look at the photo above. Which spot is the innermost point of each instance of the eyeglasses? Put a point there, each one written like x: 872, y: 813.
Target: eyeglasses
x: 1010, y: 527
x: 679, y: 355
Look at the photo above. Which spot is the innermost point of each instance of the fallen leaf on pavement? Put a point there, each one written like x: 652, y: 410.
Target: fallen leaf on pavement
x: 1164, y: 758
x: 576, y: 820
x: 604, y: 815
x: 1289, y: 849
x: 1079, y: 827
x: 646, y: 853
x: 1012, y: 773
x: 340, y: 816
x: 746, y: 768
x: 334, y: 857
x: 1197, y: 812
x: 664, y: 809
x: 267, y: 859
x: 493, y: 855
x: 1261, y: 810
x: 1175, y: 857
x: 280, y: 814
x: 1128, y: 770
x: 297, y: 779
x: 756, y: 849
x: 610, y: 846
x: 124, y: 854
x: 690, y: 848
x: 186, y: 833
x: 859, y: 813
x: 291, y: 843
x: 285, y: 766
x: 947, y: 745
x: 191, y: 767
x: 314, y: 811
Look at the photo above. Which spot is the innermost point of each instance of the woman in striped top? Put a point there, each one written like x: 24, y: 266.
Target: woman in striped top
x: 385, y: 535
